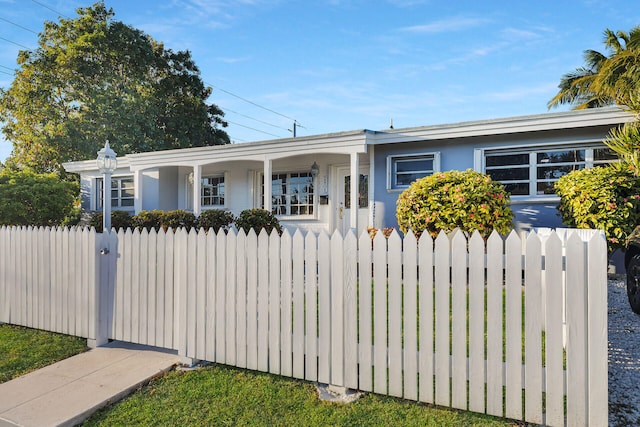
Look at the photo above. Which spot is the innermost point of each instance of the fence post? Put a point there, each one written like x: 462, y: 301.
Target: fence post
x: 102, y: 269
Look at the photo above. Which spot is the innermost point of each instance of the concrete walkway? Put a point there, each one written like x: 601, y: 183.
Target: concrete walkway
x: 68, y: 392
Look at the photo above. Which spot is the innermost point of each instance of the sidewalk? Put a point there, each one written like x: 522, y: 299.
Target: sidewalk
x: 68, y: 392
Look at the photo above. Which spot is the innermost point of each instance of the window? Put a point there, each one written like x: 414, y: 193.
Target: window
x: 292, y: 194
x: 403, y: 170
x: 212, y: 191
x: 122, y: 192
x: 534, y: 172
x: 363, y: 191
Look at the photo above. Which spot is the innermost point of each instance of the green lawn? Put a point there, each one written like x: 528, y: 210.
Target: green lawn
x: 219, y: 395
x: 23, y: 350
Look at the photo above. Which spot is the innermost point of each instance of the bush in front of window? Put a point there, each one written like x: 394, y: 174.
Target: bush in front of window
x: 178, y: 219
x: 148, y: 219
x: 467, y: 200
x: 605, y: 198
x: 29, y: 198
x: 119, y: 219
x: 258, y: 219
x: 215, y: 219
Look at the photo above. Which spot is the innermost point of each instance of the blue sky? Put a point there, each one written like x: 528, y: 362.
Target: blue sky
x: 340, y: 65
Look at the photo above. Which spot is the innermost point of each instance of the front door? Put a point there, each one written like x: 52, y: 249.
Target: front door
x: 344, y: 200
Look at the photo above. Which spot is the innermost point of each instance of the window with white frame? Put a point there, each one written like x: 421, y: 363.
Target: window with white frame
x: 533, y: 172
x: 212, y: 191
x: 122, y: 192
x: 403, y: 170
x: 292, y: 194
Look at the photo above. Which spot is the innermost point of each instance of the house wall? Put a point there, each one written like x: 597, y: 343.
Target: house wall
x: 458, y: 154
x: 167, y: 189
x: 239, y: 186
x: 150, y: 189
x: 86, y: 192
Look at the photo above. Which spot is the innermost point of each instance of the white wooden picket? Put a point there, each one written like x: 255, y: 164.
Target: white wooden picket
x: 420, y: 318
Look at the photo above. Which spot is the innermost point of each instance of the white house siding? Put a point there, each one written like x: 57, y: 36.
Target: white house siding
x: 167, y: 190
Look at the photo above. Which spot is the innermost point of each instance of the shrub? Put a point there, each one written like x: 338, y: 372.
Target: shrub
x: 74, y: 216
x: 148, y: 219
x: 178, y: 218
x: 258, y: 219
x: 119, y: 219
x: 386, y: 232
x: 215, y: 219
x: 467, y: 200
x: 28, y: 198
x: 605, y: 198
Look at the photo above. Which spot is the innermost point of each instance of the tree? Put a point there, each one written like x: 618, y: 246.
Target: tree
x: 35, y: 199
x: 93, y: 78
x: 605, y: 80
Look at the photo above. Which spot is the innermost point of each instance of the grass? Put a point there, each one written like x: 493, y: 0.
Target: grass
x: 23, y: 350
x: 219, y: 395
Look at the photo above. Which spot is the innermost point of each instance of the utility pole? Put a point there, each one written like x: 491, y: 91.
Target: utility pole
x: 294, y: 129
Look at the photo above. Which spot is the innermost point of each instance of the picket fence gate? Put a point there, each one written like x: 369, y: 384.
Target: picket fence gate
x: 513, y: 327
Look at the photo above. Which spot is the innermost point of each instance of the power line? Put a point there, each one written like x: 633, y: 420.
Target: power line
x: 4, y: 72
x: 249, y: 102
x: 236, y: 139
x: 53, y: 10
x: 17, y: 44
x: 18, y: 25
x: 8, y: 68
x: 257, y: 130
x: 252, y: 118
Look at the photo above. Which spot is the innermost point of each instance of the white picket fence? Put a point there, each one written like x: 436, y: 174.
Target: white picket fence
x: 402, y: 317
x: 48, y: 279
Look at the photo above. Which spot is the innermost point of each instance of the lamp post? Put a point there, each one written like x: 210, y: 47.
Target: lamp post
x: 107, y: 164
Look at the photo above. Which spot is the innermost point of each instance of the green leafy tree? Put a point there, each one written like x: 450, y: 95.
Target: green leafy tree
x: 35, y: 199
x: 93, y: 78
x: 467, y: 200
x: 605, y: 79
x: 608, y: 80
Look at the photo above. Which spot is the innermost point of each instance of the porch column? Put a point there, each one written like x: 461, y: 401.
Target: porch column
x: 137, y: 191
x: 266, y: 179
x: 355, y: 184
x: 371, y: 185
x: 197, y: 184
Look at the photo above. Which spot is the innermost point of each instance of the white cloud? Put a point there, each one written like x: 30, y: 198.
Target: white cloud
x: 522, y: 92
x: 232, y: 60
x: 446, y: 25
x: 518, y: 34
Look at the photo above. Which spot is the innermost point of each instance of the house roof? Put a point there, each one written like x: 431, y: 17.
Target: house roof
x: 341, y: 143
x: 609, y: 116
x: 356, y: 141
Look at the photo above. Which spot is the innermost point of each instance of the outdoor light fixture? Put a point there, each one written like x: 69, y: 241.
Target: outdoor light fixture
x: 315, y: 170
x: 107, y: 164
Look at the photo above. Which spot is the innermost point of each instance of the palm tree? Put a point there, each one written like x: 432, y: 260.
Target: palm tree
x: 605, y: 80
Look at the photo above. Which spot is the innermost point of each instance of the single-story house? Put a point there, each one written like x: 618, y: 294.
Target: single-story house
x: 306, y: 181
